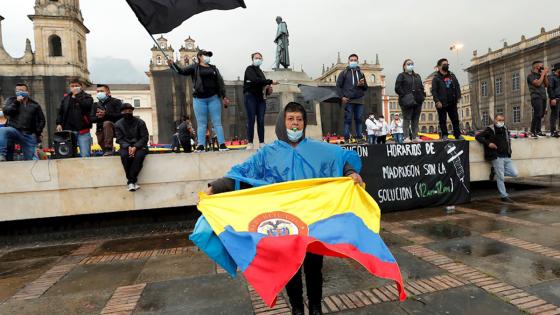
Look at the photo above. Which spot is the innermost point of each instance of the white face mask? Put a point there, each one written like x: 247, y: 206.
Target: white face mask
x: 206, y: 59
x: 500, y: 124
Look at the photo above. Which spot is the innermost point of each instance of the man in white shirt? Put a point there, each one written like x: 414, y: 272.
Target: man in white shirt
x: 373, y: 127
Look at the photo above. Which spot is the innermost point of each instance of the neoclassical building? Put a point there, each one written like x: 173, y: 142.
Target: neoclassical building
x: 60, y: 54
x: 499, y: 78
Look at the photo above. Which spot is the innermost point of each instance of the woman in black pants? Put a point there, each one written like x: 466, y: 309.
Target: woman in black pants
x: 256, y: 87
x: 410, y: 88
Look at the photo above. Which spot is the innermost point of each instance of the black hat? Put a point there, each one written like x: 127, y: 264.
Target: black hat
x: 126, y: 106
x: 203, y: 52
x: 556, y: 67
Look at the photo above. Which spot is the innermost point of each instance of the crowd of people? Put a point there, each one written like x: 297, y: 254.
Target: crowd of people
x: 78, y: 111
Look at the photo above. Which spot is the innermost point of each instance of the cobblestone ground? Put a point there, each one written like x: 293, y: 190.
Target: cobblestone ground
x: 485, y: 258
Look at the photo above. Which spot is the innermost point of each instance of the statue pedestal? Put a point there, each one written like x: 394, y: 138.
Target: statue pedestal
x: 288, y: 91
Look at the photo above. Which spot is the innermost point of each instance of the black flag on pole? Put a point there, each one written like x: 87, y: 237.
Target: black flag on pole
x: 162, y: 16
x: 319, y: 94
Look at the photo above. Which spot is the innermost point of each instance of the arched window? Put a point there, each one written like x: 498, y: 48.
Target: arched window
x: 80, y: 52
x: 55, y: 46
x: 423, y: 117
x: 430, y: 117
x: 373, y: 78
x: 158, y: 60
x: 468, y: 126
x: 468, y: 112
x: 431, y: 129
x: 423, y: 129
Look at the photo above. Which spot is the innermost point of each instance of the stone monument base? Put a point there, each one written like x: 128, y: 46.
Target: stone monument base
x: 288, y: 91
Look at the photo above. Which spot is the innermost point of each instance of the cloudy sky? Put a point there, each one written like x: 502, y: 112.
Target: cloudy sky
x: 394, y: 29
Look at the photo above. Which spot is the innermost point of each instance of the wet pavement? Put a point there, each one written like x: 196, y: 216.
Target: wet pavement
x: 485, y: 258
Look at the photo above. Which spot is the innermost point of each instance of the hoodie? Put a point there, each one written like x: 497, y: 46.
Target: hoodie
x: 226, y: 184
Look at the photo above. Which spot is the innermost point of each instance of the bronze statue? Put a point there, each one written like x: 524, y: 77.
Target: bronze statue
x: 282, y: 42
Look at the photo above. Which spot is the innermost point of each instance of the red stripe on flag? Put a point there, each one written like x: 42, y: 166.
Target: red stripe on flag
x: 278, y: 259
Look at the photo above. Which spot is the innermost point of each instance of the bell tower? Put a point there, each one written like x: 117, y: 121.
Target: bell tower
x: 60, y: 39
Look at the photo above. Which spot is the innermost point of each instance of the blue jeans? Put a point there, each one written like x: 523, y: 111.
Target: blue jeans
x: 84, y: 143
x: 255, y: 109
x: 353, y: 111
x: 203, y: 107
x: 372, y: 139
x: 503, y: 167
x: 398, y: 137
x: 27, y: 141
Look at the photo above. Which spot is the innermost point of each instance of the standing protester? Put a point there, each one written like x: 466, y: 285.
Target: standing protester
x: 132, y: 136
x: 209, y: 93
x: 538, y: 82
x: 373, y: 128
x: 351, y: 86
x: 396, y: 129
x: 184, y: 134
x: 411, y: 93
x: 106, y: 112
x: 74, y: 115
x: 256, y: 87
x: 497, y: 149
x: 554, y: 96
x: 24, y: 125
x: 382, y: 134
x: 293, y: 157
x: 447, y: 93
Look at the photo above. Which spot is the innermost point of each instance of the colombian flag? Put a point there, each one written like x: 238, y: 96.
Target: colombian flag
x: 268, y: 230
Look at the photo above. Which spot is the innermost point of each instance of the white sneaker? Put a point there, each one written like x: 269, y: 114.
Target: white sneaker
x: 407, y: 140
x: 249, y: 146
x: 261, y: 145
x: 136, y: 186
x: 131, y: 187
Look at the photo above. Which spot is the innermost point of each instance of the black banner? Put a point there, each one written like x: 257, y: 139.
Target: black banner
x: 416, y: 175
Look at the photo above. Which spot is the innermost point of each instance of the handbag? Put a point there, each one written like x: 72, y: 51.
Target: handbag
x: 408, y: 100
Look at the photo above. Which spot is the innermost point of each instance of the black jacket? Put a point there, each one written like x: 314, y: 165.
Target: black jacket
x: 255, y: 81
x: 347, y: 85
x: 132, y: 132
x: 447, y: 97
x: 408, y: 83
x: 84, y: 102
x: 554, y: 87
x: 194, y: 72
x: 112, y: 108
x: 489, y: 136
x: 24, y: 117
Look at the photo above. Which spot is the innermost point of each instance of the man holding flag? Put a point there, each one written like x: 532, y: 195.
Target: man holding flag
x: 293, y: 158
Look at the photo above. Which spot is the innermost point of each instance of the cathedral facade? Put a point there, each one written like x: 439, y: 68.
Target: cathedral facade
x: 60, y: 55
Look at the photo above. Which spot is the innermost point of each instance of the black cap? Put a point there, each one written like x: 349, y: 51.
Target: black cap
x: 203, y: 52
x: 126, y: 106
x: 556, y: 67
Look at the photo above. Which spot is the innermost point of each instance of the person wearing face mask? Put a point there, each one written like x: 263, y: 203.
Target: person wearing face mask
x: 132, y: 136
x: 351, y: 85
x: 396, y: 129
x: 209, y: 92
x: 537, y: 81
x: 74, y: 115
x: 294, y: 157
x: 446, y: 92
x: 497, y: 149
x: 554, y: 96
x: 383, y: 131
x: 373, y: 127
x: 256, y: 87
x: 24, y: 125
x: 410, y: 89
x: 106, y: 112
